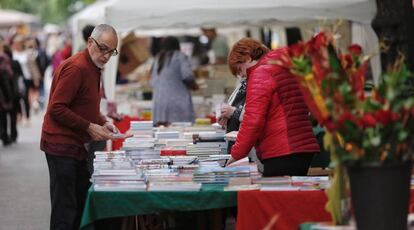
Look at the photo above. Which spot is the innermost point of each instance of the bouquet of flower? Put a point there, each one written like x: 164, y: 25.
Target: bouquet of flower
x: 374, y: 126
x: 368, y: 126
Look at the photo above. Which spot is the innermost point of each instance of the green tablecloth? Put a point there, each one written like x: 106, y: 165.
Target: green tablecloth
x: 101, y: 205
x: 306, y: 226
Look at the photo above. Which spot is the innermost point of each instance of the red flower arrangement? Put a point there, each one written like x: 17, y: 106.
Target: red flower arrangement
x: 371, y: 126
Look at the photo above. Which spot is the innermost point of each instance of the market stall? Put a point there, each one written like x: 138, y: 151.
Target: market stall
x: 10, y: 18
x: 159, y: 15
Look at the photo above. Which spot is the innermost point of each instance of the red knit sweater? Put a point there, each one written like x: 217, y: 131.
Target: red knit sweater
x: 74, y: 104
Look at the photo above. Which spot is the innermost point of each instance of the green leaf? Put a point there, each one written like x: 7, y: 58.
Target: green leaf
x: 333, y: 59
x: 402, y: 135
x: 375, y: 141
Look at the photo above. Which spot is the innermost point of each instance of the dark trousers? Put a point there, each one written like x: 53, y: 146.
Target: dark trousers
x: 29, y: 85
x: 290, y: 165
x: 69, y: 183
x: 8, y: 119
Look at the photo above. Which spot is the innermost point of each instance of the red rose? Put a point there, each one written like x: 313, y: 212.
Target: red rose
x: 346, y: 116
x: 355, y: 49
x: 368, y: 120
x: 384, y: 116
x: 320, y: 40
x: 296, y: 50
x: 395, y: 116
x: 358, y: 79
x: 317, y: 42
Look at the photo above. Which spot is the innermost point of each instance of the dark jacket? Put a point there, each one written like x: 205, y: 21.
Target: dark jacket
x: 6, y: 74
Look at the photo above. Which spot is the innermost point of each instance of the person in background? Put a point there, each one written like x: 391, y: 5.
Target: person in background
x: 73, y: 119
x: 35, y: 71
x: 22, y: 56
x: 42, y: 61
x: 86, y: 33
x: 18, y: 89
x: 232, y: 116
x: 232, y: 112
x: 6, y: 94
x: 276, y: 119
x: 62, y: 54
x: 171, y: 79
x: 219, y: 46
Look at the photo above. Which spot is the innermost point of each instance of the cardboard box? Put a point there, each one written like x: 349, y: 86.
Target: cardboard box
x: 134, y: 51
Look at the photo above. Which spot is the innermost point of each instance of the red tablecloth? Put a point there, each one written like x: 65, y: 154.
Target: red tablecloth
x: 255, y: 209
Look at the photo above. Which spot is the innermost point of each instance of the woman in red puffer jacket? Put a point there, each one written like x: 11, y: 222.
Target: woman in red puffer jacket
x: 276, y: 118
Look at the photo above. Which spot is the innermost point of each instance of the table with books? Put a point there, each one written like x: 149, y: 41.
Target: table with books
x: 155, y: 173
x: 181, y: 169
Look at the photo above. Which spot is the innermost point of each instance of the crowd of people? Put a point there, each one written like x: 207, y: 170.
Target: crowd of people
x: 26, y: 61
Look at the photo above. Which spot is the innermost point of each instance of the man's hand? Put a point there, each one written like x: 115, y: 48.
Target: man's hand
x: 223, y: 122
x: 99, y: 133
x: 111, y: 127
x: 115, y: 116
x: 230, y: 161
x: 227, y: 111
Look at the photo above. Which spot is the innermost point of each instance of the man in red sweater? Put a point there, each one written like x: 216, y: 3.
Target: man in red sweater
x: 72, y: 120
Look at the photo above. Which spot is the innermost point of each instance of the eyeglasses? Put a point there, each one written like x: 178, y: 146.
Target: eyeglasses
x: 104, y: 49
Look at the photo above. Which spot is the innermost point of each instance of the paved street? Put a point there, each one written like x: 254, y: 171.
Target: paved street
x: 24, y: 182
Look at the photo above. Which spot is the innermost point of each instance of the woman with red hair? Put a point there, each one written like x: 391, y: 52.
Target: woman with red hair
x: 275, y: 119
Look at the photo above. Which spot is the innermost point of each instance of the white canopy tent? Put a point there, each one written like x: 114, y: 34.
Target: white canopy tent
x: 132, y: 14
x: 10, y: 18
x: 127, y: 15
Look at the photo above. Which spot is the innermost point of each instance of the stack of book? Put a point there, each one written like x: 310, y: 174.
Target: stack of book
x: 294, y: 183
x: 138, y: 143
x: 204, y: 149
x: 183, y: 160
x: 273, y: 183
x: 181, y: 124
x: 154, y: 163
x: 190, y: 132
x: 170, y: 180
x: 217, y: 136
x: 144, y: 128
x: 114, y: 171
x: 219, y: 175
x: 141, y: 145
x: 167, y: 135
x: 140, y: 148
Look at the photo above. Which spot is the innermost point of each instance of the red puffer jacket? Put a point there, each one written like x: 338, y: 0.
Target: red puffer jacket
x: 275, y: 119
